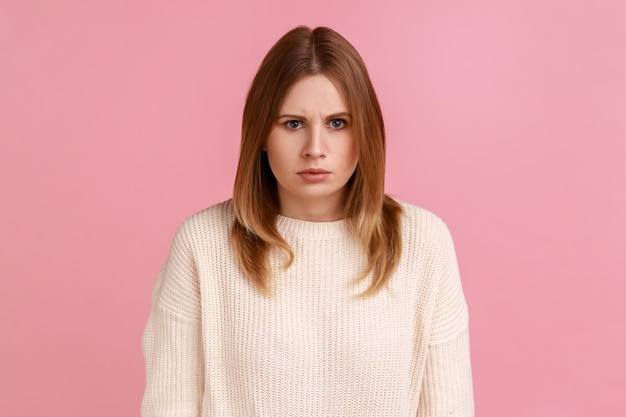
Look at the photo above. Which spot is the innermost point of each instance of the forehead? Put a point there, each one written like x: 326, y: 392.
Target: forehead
x: 314, y: 92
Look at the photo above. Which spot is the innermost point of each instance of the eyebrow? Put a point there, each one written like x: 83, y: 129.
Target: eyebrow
x: 329, y: 117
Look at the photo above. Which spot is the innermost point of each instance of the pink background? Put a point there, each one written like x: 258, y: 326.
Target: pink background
x: 507, y: 118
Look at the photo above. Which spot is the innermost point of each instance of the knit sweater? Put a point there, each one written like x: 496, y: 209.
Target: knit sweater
x: 216, y: 346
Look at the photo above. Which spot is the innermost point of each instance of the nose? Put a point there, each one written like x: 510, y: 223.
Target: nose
x: 314, y: 146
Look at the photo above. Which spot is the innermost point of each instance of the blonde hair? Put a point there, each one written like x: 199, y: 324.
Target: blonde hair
x: 373, y: 217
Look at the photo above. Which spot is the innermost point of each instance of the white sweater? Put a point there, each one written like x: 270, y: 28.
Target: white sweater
x: 215, y: 346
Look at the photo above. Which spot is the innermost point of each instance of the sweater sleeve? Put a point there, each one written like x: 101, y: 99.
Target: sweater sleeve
x: 447, y: 382
x: 171, y: 341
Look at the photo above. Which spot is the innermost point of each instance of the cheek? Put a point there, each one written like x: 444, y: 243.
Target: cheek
x: 277, y: 158
x: 271, y: 148
x: 353, y: 152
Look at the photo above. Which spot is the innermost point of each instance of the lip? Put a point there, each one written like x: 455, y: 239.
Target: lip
x: 314, y: 171
x: 314, y: 175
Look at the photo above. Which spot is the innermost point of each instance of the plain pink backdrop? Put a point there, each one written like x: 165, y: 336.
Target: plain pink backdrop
x: 507, y: 118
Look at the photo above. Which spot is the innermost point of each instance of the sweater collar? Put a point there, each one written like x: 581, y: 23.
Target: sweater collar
x: 301, y: 228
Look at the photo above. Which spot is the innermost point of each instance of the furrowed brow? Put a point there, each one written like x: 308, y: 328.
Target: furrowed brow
x: 291, y: 116
x: 339, y: 116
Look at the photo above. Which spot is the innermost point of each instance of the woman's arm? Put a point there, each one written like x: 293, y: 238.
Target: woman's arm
x: 447, y: 382
x: 172, y: 344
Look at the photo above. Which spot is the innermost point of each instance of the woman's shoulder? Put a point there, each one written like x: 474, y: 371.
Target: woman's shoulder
x: 210, y: 224
x: 422, y: 223
x: 219, y: 214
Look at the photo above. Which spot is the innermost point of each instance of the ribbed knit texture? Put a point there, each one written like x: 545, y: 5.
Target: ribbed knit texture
x: 215, y: 346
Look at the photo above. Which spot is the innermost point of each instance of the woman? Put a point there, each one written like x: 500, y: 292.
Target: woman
x: 311, y: 292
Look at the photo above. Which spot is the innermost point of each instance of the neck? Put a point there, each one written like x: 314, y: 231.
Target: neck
x: 313, y: 210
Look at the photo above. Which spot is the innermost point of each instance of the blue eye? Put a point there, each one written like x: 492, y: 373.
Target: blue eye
x: 293, y: 124
x: 337, y: 124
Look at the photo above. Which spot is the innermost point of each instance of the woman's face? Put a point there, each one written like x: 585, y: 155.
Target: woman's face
x: 312, y: 150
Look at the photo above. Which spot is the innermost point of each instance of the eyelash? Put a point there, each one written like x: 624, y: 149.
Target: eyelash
x: 289, y: 123
x: 343, y: 123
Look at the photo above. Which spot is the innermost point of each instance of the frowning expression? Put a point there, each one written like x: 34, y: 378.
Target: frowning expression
x: 312, y: 151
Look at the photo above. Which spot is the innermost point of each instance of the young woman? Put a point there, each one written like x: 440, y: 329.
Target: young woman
x: 311, y: 292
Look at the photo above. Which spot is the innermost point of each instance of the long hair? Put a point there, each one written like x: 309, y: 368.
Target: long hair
x: 373, y: 217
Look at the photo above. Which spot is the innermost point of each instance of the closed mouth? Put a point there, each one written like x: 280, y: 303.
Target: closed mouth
x: 313, y: 171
